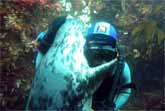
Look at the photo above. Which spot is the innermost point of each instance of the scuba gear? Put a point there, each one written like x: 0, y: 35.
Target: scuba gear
x: 118, y: 70
x: 108, y: 96
x: 93, y: 55
x: 110, y: 88
x: 102, y: 40
x: 100, y: 47
x: 100, y: 43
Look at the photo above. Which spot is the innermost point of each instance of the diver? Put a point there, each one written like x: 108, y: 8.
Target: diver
x: 101, y: 47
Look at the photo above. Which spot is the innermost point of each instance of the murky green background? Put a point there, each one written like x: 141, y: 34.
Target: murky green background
x: 141, y: 28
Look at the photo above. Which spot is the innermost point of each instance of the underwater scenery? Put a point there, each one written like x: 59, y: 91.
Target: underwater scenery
x: 68, y: 55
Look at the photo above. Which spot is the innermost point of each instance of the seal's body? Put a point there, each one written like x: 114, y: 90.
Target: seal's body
x: 63, y: 79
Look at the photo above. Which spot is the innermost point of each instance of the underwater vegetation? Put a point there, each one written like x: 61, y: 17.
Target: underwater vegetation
x: 141, y: 27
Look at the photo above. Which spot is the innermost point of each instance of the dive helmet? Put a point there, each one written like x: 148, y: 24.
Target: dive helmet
x: 102, y: 35
x: 104, y: 28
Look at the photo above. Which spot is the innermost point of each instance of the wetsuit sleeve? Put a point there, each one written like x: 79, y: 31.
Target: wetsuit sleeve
x: 123, y: 94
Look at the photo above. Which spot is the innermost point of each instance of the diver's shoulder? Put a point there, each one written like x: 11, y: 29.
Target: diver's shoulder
x: 126, y: 69
x: 126, y: 64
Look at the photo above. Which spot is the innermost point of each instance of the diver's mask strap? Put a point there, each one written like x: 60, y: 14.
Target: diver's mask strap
x: 101, y: 46
x: 108, y: 48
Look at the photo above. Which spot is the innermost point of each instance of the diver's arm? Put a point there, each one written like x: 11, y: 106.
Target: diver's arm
x: 123, y: 95
x: 38, y: 59
x: 39, y: 54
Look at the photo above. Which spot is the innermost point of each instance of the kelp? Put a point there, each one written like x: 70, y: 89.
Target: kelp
x: 150, y: 33
x: 160, y: 36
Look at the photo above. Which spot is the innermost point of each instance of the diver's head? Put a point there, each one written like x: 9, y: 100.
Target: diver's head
x: 100, y: 43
